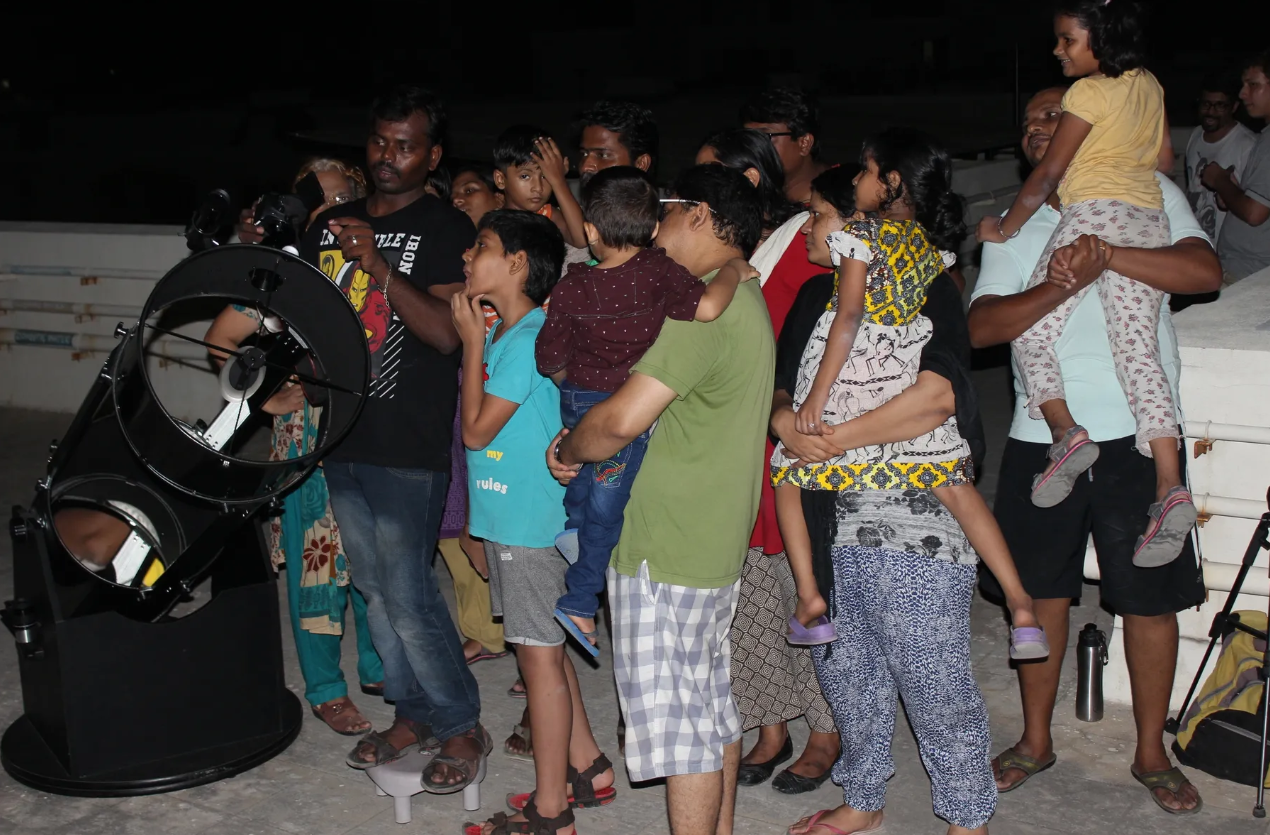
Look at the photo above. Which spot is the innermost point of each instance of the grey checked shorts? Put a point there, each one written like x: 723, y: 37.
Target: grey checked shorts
x: 673, y: 663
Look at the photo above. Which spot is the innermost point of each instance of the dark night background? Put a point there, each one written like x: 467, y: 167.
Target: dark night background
x: 132, y: 118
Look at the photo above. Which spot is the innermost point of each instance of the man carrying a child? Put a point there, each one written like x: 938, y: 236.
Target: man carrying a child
x: 1049, y: 544
x: 674, y: 579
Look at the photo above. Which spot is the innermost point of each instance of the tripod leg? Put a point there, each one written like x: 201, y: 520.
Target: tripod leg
x: 1259, y: 811
x: 1222, y: 620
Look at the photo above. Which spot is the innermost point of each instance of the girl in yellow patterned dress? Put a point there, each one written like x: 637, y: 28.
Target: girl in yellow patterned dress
x: 865, y: 350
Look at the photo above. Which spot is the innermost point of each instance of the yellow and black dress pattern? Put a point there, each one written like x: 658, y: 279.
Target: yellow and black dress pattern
x: 884, y: 360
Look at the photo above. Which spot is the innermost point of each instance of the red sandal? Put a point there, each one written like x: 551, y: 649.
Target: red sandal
x: 533, y: 824
x: 584, y: 795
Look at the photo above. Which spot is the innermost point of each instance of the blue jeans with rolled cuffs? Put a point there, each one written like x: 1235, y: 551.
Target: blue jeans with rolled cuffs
x: 595, y: 501
x: 389, y: 519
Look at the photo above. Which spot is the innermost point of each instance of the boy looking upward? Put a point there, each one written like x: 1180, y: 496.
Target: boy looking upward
x: 509, y: 414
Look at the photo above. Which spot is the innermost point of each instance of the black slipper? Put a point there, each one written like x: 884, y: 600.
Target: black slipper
x: 787, y: 782
x: 754, y: 774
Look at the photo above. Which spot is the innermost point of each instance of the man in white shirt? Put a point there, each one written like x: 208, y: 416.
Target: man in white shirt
x: 1244, y: 246
x: 1220, y: 139
x: 1049, y: 544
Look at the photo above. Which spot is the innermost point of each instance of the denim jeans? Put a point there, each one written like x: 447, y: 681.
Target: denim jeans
x: 594, y: 502
x: 389, y: 519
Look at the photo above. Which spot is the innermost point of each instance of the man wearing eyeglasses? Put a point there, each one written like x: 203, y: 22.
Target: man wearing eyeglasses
x: 674, y: 577
x: 1219, y: 139
x: 791, y: 118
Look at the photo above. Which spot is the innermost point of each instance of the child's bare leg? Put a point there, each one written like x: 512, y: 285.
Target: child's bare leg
x: 971, y: 512
x: 1168, y: 469
x: 793, y: 526
x: 1059, y: 419
x: 583, y: 749
x: 587, y: 625
x: 551, y: 717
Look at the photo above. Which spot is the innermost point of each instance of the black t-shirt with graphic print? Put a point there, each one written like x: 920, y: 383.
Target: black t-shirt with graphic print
x: 409, y: 414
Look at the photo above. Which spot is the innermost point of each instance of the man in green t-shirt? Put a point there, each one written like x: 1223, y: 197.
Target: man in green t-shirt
x: 675, y: 574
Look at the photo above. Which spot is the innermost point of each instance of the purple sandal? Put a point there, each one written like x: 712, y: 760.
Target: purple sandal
x: 1028, y: 643
x: 1069, y: 463
x: 821, y: 632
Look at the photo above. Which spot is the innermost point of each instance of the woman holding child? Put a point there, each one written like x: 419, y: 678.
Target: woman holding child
x: 305, y: 537
x: 901, y: 569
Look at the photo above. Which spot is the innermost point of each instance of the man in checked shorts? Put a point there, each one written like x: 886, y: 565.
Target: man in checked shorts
x: 675, y: 573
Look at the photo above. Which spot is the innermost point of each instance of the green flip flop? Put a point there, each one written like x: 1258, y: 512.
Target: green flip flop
x: 1172, y: 781
x: 1030, y: 766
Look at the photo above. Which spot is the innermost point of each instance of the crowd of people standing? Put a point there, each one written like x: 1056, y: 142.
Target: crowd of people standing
x: 586, y: 397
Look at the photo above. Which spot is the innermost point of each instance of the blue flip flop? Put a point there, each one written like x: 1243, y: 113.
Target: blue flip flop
x: 567, y: 545
x: 583, y: 638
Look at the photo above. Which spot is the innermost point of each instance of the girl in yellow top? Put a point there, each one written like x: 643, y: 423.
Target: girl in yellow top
x: 1110, y: 141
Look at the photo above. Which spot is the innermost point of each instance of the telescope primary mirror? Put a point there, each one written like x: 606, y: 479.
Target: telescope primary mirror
x: 138, y: 484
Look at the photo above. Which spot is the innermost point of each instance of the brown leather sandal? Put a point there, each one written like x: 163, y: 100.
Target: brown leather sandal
x: 383, y: 752
x: 472, y: 770
x: 585, y: 795
x: 342, y: 716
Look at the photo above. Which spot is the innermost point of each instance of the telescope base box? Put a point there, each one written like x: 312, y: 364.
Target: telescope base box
x: 116, y: 706
x: 28, y: 759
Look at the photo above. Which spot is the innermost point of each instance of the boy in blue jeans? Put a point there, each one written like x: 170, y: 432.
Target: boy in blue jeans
x: 509, y: 415
x: 601, y: 320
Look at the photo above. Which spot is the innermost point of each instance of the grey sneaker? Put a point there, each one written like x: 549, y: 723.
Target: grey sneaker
x: 1070, y: 462
x: 1169, y: 524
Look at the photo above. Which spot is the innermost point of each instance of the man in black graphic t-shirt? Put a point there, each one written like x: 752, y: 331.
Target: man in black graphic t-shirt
x: 397, y: 256
x: 409, y: 411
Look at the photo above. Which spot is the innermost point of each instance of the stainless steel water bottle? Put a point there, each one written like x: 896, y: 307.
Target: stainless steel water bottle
x: 1091, y: 657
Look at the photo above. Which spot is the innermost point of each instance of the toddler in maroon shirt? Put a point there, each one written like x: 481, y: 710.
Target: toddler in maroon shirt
x: 601, y: 319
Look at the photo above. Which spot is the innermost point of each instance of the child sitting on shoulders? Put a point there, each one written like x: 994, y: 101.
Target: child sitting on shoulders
x: 509, y: 414
x: 601, y: 320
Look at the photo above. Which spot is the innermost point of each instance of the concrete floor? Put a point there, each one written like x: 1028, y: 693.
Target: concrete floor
x: 308, y: 789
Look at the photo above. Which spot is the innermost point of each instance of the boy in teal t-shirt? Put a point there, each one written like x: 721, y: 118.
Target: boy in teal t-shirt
x: 509, y: 415
x: 514, y: 499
